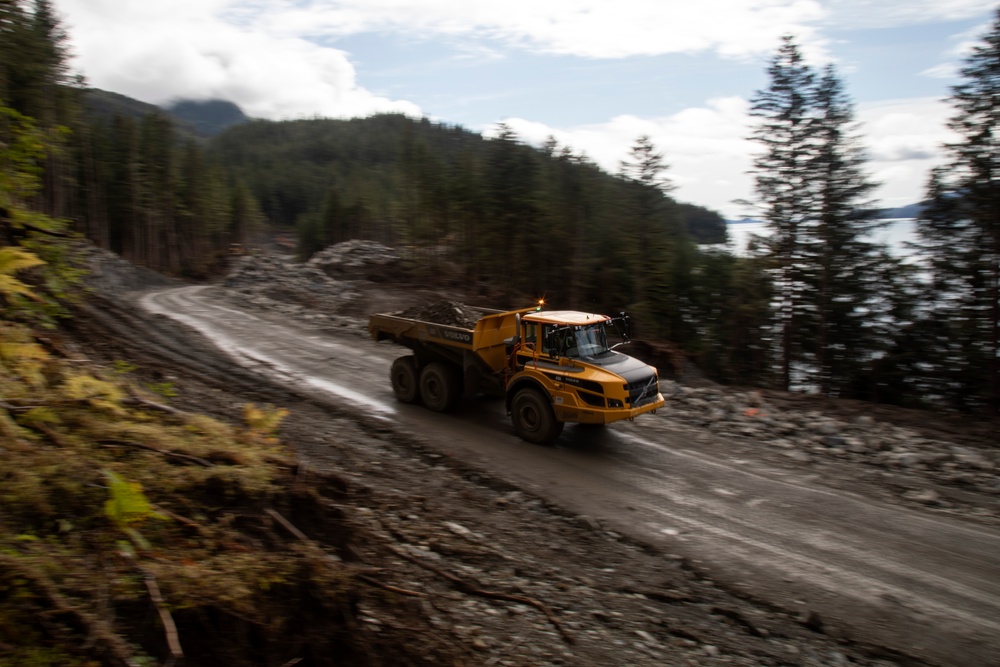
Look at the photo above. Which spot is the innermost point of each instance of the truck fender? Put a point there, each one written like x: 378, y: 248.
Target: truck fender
x: 523, y: 383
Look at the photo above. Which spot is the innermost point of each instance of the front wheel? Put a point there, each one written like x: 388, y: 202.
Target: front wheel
x: 440, y: 387
x: 533, y: 418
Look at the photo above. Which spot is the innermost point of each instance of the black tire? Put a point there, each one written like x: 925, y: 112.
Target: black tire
x: 403, y: 376
x: 533, y: 418
x: 440, y: 386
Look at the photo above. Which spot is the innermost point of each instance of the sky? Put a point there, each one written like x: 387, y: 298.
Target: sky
x: 594, y: 74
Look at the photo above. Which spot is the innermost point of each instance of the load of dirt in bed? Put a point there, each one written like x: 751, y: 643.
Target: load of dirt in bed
x: 449, y: 313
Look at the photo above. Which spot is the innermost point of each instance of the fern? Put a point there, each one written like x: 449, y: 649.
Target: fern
x: 127, y: 505
x: 13, y: 260
x: 100, y: 394
x: 40, y: 415
x: 263, y: 423
x: 21, y: 355
x: 164, y: 389
x: 123, y: 367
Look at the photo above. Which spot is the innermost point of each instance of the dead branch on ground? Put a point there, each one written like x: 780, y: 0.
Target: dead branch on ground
x: 116, y: 442
x: 169, y: 628
x: 136, y: 400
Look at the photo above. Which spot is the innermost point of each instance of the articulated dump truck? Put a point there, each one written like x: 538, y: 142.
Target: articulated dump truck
x: 553, y: 367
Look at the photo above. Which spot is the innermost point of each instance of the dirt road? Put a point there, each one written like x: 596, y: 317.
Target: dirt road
x: 881, y: 574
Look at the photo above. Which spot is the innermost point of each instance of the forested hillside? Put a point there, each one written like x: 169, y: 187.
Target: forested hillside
x: 510, y: 220
x: 817, y: 306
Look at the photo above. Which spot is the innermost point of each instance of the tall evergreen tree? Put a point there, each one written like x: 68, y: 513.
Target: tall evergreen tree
x: 35, y: 80
x: 646, y: 165
x: 813, y: 191
x: 652, y: 237
x: 784, y: 190
x: 845, y: 276
x: 34, y: 72
x: 960, y: 235
x: 513, y: 243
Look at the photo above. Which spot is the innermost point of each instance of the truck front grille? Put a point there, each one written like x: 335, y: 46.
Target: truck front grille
x: 642, y: 391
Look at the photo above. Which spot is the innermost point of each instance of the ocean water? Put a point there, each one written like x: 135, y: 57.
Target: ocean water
x: 895, y: 234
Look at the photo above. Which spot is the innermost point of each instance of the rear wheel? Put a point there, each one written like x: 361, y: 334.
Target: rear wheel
x: 533, y: 418
x: 440, y: 386
x: 404, y: 379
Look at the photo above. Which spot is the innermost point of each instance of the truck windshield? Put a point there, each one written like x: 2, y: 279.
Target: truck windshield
x: 590, y: 341
x: 587, y: 340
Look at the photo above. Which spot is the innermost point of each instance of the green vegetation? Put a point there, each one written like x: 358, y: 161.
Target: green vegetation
x: 106, y: 497
x: 113, y: 504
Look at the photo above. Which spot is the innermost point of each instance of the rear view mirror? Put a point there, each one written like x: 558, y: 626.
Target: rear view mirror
x: 623, y: 327
x: 626, y: 326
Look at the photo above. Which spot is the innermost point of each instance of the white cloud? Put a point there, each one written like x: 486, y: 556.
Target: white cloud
x: 705, y: 148
x: 587, y: 28
x: 904, y: 139
x: 273, y: 59
x: 962, y: 46
x: 602, y: 29
x: 272, y: 56
x: 709, y: 153
x: 945, y: 71
x: 158, y: 51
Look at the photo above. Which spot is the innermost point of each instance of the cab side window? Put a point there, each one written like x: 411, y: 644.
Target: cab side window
x: 551, y: 340
x: 530, y: 334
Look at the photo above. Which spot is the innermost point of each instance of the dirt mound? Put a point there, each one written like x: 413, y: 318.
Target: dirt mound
x: 112, y: 276
x: 450, y: 313
x: 358, y: 260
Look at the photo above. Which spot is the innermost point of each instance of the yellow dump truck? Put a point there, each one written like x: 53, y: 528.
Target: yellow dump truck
x: 553, y: 367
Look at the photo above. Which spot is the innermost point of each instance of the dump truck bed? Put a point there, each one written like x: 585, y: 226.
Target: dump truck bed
x: 394, y: 327
x: 485, y: 339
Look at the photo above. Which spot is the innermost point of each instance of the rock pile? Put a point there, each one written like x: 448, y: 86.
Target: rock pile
x: 111, y: 276
x: 811, y: 436
x: 333, y: 282
x: 299, y: 291
x: 358, y: 259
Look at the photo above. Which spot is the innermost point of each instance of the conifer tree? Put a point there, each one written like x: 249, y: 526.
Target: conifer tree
x: 513, y: 224
x: 960, y: 235
x: 784, y: 190
x: 33, y: 60
x: 813, y: 192
x: 846, y: 262
x: 652, y: 243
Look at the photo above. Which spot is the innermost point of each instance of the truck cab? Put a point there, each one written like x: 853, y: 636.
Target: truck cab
x: 565, y: 356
